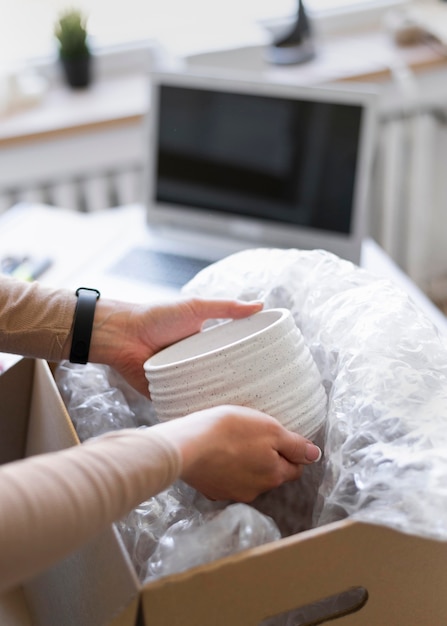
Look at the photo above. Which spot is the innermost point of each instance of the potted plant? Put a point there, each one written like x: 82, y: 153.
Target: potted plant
x: 74, y: 51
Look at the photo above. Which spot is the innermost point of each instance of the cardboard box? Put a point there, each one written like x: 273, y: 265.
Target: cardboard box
x: 399, y: 580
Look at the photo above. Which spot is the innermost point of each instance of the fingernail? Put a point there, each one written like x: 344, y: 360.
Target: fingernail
x: 312, y: 453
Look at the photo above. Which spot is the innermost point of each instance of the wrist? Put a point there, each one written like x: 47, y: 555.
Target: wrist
x: 108, y: 332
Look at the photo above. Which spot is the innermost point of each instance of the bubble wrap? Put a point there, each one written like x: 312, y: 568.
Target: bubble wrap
x: 384, y: 366
x: 99, y: 400
x: 232, y: 529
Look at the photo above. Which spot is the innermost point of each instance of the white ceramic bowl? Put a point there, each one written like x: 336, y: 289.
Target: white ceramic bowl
x: 260, y: 361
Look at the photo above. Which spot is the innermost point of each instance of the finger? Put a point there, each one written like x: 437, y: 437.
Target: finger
x: 234, y: 309
x: 290, y: 471
x: 188, y: 316
x: 297, y: 449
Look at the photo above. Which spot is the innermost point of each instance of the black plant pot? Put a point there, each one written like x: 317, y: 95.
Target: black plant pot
x: 77, y: 72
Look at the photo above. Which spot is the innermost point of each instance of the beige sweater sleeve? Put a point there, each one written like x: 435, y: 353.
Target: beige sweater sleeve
x: 53, y: 503
x: 35, y: 320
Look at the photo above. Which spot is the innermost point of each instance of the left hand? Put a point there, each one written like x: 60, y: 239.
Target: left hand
x: 125, y: 335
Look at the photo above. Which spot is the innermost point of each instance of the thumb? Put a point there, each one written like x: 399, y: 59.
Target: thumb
x: 298, y: 449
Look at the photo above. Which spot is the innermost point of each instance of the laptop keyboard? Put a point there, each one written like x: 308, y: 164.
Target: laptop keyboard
x: 153, y: 266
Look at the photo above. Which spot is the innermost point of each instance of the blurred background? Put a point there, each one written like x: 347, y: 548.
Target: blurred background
x: 27, y: 25
x: 84, y: 149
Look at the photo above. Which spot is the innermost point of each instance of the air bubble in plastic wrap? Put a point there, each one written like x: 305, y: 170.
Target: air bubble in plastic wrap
x: 143, y: 527
x: 99, y: 400
x: 210, y: 536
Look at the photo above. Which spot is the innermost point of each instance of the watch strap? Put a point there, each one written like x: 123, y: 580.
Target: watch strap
x: 83, y: 324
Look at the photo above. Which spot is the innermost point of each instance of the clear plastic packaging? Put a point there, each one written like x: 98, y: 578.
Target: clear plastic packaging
x: 99, y: 400
x: 209, y: 536
x: 384, y: 366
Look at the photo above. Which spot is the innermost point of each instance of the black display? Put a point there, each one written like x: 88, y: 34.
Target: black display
x: 282, y: 159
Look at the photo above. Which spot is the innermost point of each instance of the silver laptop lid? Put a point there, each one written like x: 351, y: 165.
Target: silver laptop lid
x: 274, y: 164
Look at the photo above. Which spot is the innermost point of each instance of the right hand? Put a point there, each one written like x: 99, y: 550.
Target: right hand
x: 237, y: 453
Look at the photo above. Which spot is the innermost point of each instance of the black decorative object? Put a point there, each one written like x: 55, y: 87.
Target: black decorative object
x: 296, y: 45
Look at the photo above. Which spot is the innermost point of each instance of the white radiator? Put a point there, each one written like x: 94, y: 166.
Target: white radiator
x: 408, y: 207
x: 87, y: 170
x: 94, y: 192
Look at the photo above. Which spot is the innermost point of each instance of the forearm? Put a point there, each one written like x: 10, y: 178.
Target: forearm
x: 52, y: 504
x: 36, y: 321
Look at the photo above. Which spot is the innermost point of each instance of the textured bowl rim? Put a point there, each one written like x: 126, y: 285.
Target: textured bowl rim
x: 150, y: 366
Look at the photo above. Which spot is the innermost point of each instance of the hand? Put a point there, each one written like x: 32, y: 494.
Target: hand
x: 125, y: 335
x: 237, y: 453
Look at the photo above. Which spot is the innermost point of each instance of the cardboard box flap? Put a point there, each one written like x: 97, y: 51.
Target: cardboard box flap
x: 50, y: 427
x: 92, y: 587
x: 99, y: 572
x: 405, y: 578
x: 15, y: 392
x: 96, y: 586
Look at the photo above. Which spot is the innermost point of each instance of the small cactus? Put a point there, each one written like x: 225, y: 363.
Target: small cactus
x: 71, y: 32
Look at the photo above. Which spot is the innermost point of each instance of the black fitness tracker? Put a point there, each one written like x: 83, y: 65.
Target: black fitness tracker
x: 83, y: 324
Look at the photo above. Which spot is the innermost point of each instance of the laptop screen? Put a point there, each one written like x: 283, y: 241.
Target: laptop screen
x: 290, y: 161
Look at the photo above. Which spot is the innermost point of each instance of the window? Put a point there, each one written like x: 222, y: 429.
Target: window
x: 26, y: 28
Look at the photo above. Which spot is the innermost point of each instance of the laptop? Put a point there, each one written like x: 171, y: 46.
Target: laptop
x: 235, y: 163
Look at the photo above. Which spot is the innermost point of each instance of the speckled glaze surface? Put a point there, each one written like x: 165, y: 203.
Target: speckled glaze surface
x: 259, y: 361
